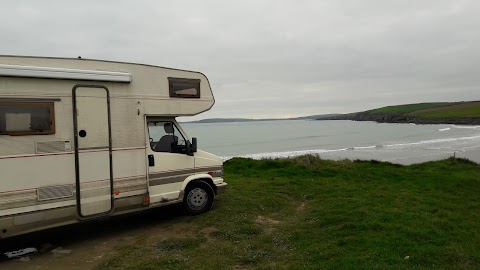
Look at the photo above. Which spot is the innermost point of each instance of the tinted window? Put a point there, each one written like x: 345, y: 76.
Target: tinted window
x: 24, y: 118
x: 184, y: 88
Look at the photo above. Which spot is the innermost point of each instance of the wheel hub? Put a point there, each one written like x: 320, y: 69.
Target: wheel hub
x: 197, y: 198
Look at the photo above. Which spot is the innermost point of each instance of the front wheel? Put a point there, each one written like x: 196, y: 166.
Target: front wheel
x: 198, y: 198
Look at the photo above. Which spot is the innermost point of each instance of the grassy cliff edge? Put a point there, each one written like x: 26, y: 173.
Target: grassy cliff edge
x: 309, y: 213
x: 461, y: 113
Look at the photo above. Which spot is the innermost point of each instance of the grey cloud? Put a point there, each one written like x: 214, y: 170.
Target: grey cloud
x: 271, y: 58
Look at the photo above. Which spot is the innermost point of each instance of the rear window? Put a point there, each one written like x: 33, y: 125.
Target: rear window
x: 184, y: 88
x: 27, y: 118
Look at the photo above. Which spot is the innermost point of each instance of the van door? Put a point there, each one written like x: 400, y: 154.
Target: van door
x: 169, y: 163
x: 93, y: 151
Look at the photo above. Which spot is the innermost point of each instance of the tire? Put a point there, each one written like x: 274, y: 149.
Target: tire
x: 198, y: 198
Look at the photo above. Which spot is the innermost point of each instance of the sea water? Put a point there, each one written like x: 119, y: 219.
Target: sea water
x: 399, y: 143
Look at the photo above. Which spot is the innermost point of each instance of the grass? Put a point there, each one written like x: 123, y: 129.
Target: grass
x: 408, y: 108
x: 308, y: 213
x: 473, y: 111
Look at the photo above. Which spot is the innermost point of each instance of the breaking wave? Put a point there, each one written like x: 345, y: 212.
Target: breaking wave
x: 435, y: 141
x: 286, y: 154
x: 466, y: 127
x: 379, y: 147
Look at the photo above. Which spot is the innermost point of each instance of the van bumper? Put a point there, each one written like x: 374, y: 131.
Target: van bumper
x: 221, y: 187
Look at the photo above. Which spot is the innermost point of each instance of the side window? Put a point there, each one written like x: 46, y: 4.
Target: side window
x: 27, y: 118
x: 184, y: 88
x: 165, y: 137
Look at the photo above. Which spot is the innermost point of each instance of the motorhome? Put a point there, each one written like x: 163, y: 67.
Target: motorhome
x: 85, y: 139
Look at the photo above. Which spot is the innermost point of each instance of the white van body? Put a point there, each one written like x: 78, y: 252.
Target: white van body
x: 80, y: 139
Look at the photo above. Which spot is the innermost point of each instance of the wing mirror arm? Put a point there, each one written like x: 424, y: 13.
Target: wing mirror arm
x: 192, y: 147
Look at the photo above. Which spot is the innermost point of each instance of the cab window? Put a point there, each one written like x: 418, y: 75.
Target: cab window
x: 165, y: 137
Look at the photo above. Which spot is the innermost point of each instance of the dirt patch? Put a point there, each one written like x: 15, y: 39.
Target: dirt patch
x: 266, y: 220
x: 207, y: 233
x: 268, y: 223
x: 81, y: 255
x: 84, y: 245
x: 301, y: 207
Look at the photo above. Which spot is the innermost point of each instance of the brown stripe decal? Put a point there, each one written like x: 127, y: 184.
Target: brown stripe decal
x: 167, y: 180
x: 217, y: 170
x: 169, y: 177
x: 172, y: 173
x: 211, y: 168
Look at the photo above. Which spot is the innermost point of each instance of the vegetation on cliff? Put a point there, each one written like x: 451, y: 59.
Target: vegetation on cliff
x: 462, y: 113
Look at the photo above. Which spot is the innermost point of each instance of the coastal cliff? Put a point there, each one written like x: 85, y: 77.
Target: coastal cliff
x: 458, y: 113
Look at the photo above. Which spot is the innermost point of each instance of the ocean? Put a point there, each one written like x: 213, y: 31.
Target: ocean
x: 397, y: 143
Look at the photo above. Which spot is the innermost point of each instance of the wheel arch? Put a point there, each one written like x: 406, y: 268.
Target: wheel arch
x: 204, y: 177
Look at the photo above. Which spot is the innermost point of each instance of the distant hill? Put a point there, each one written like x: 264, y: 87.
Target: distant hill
x: 220, y: 120
x: 461, y: 113
x: 315, y: 117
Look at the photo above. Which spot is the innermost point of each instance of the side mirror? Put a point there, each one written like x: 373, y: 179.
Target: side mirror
x: 194, y: 145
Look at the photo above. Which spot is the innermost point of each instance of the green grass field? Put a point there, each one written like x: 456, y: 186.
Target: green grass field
x: 308, y: 213
x: 473, y: 111
x: 408, y: 108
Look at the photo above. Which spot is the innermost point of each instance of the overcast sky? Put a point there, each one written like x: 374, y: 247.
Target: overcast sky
x: 270, y: 58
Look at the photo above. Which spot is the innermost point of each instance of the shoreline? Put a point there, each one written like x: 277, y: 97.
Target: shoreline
x: 415, y: 157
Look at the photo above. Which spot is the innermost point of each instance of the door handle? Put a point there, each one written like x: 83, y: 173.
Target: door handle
x: 151, y: 161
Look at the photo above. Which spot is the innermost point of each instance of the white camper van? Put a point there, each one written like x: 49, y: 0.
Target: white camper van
x: 82, y: 139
